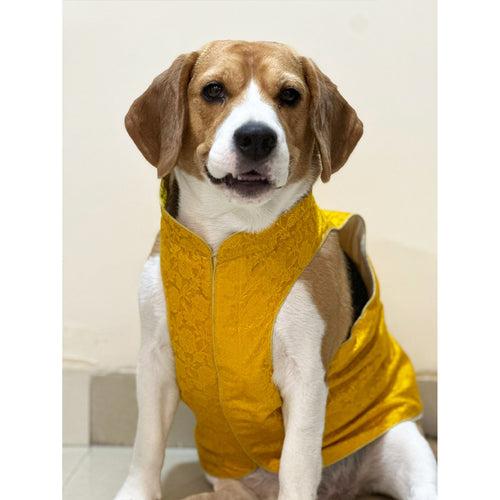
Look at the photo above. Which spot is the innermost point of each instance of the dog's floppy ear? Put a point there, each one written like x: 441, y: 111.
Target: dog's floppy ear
x: 156, y: 120
x: 335, y: 124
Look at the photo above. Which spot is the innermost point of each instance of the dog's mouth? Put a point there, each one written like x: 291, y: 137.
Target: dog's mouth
x: 248, y: 184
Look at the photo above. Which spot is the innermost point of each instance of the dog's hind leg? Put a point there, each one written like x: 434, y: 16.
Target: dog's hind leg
x: 399, y: 464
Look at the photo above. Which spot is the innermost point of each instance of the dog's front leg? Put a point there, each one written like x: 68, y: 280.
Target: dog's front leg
x: 157, y: 391
x: 299, y: 376
x: 301, y: 461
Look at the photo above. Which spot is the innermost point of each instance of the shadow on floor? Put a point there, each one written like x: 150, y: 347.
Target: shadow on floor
x: 188, y: 479
x: 184, y: 480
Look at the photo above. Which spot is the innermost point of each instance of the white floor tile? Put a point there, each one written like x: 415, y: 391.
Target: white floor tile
x: 99, y: 474
x: 103, y: 469
x: 72, y: 456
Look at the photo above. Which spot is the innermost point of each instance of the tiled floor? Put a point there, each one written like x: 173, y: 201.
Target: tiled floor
x: 96, y: 473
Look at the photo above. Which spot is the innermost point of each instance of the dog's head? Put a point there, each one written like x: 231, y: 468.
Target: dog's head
x: 248, y: 118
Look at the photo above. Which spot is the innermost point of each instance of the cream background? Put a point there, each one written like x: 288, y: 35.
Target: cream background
x: 381, y: 53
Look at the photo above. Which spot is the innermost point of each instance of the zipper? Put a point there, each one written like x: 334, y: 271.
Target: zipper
x: 213, y: 259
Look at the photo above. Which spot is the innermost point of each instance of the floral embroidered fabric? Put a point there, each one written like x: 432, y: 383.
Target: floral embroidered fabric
x: 221, y: 312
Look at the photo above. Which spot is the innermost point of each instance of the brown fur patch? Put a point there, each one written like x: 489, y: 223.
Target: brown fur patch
x: 336, y: 126
x: 157, y: 119
x: 327, y: 280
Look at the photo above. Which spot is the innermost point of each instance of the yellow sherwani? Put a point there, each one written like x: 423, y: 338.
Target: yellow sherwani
x: 221, y: 312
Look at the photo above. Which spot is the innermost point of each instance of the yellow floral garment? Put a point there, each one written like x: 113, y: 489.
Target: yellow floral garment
x: 221, y: 311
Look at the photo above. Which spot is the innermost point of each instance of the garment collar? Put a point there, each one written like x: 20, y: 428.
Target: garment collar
x: 303, y: 219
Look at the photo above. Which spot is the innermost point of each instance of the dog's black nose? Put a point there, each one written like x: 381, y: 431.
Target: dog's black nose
x: 255, y: 140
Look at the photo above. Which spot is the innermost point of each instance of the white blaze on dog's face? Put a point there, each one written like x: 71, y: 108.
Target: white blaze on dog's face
x: 246, y: 119
x: 249, y: 155
x: 249, y: 117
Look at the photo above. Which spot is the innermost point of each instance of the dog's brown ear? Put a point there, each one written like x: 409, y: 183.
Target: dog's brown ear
x: 335, y: 124
x: 156, y: 120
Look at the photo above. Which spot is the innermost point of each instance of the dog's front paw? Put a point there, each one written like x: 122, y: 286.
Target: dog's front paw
x: 139, y: 488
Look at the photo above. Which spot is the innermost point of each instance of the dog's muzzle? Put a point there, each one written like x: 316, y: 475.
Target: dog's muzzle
x: 253, y: 142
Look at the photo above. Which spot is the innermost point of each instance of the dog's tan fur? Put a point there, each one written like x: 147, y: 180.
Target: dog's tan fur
x: 326, y: 278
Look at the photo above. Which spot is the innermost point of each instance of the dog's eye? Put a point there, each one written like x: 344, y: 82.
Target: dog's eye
x: 289, y: 96
x: 214, y: 91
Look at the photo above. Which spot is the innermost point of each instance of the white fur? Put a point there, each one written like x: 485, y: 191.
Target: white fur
x: 299, y: 376
x: 400, y: 463
x: 211, y: 215
x: 223, y: 156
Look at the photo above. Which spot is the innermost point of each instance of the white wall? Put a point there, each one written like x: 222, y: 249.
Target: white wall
x: 381, y: 53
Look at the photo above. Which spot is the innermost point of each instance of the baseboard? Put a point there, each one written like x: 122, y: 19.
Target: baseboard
x: 101, y: 408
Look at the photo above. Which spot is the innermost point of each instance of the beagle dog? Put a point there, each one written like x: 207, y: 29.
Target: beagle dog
x: 239, y: 132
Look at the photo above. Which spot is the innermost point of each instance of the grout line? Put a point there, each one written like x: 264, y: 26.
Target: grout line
x: 75, y: 469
